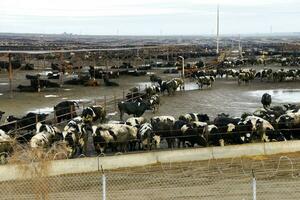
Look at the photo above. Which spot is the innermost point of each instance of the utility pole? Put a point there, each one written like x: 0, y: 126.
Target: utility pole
x: 10, y: 75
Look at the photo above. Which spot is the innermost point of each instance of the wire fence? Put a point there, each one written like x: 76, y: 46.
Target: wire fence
x: 274, y: 177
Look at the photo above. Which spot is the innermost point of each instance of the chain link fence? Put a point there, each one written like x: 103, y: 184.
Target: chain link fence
x: 241, y: 179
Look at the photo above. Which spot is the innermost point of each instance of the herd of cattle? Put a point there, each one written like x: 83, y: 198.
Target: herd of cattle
x: 247, y: 75
x: 279, y: 123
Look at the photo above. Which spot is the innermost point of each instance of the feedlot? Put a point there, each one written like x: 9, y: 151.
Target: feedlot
x: 277, y: 176
x: 225, y: 96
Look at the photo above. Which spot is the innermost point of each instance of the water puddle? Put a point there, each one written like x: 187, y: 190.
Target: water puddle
x: 191, y: 86
x: 46, y: 110
x: 279, y: 95
x: 51, y: 96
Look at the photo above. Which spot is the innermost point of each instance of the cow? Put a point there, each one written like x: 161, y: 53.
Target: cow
x: 45, y: 136
x: 152, y: 90
x: 135, y: 121
x: 136, y: 109
x: 193, y: 133
x: 93, y: 113
x: 261, y: 129
x: 232, y: 130
x: 289, y: 124
x: 146, y: 137
x: 179, y: 83
x: 75, y: 134
x: 6, y: 143
x: 264, y: 74
x: 171, y: 86
x: 113, y: 135
x: 154, y: 78
x: 163, y: 127
x: 1, y: 114
x: 245, y: 77
x: 194, y: 117
x: 154, y: 102
x: 27, y: 122
x: 65, y: 110
x: 109, y: 83
x: 205, y: 80
x: 213, y: 135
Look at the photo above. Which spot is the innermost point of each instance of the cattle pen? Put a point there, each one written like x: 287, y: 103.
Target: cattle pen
x: 234, y: 172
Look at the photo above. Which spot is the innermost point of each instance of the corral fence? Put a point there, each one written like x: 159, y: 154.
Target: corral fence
x: 239, y: 178
x: 109, y: 103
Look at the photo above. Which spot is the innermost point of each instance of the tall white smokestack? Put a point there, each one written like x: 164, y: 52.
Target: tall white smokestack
x: 218, y: 28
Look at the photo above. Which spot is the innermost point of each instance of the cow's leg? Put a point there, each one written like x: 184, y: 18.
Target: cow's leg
x: 121, y: 115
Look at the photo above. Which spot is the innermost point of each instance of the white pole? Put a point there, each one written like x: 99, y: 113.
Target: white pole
x: 253, y: 186
x: 103, y: 187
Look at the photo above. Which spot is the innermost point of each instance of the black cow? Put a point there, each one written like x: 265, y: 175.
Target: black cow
x: 155, y: 79
x: 28, y: 122
x: 93, y: 113
x: 133, y: 108
x: 163, y: 126
x: 107, y: 82
x: 65, y: 110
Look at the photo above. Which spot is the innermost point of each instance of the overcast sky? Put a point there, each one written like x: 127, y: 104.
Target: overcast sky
x: 149, y: 17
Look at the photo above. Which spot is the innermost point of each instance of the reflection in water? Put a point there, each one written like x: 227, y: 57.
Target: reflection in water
x: 51, y: 96
x: 43, y: 110
x: 188, y: 85
x: 280, y: 95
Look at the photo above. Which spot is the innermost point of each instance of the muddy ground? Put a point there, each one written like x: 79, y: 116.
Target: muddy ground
x: 224, y: 96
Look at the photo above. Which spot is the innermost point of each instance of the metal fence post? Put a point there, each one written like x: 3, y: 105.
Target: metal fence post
x: 253, y: 185
x: 103, y: 183
x: 103, y: 187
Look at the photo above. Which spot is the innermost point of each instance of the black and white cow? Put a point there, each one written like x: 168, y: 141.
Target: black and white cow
x: 289, y: 124
x: 93, y: 113
x: 135, y: 121
x: 6, y: 146
x: 169, y: 86
x: 262, y: 129
x: 205, y: 80
x: 114, y: 136
x: 45, y: 136
x: 152, y: 90
x: 163, y: 127
x: 193, y: 133
x: 154, y: 102
x: 65, y: 110
x: 147, y: 138
x: 75, y: 134
x: 136, y: 109
x: 194, y: 117
x: 212, y: 133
